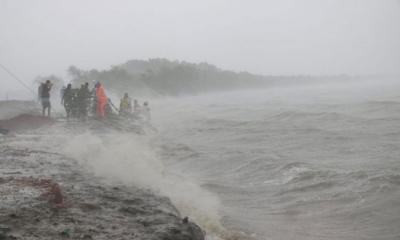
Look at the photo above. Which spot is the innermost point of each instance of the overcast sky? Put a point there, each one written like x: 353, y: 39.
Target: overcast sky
x: 39, y: 37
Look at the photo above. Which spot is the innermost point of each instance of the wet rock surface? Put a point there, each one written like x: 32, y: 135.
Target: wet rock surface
x: 46, y: 195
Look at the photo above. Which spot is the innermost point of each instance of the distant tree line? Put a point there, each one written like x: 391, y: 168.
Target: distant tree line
x: 165, y: 77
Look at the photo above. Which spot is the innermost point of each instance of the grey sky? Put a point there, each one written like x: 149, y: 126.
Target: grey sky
x: 265, y: 36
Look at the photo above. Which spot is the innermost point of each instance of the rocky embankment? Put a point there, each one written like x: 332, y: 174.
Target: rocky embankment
x: 47, y: 195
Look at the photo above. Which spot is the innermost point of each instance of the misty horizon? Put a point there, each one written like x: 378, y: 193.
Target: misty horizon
x: 278, y: 38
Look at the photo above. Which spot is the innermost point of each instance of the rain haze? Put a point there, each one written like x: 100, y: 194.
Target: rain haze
x: 286, y: 37
x: 203, y: 120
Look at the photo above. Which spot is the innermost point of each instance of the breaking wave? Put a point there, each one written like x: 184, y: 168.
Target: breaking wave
x: 132, y: 159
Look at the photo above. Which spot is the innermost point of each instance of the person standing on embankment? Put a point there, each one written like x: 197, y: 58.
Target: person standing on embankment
x: 67, y: 99
x: 101, y: 101
x: 45, y: 97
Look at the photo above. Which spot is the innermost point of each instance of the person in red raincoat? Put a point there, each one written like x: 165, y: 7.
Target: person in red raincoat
x: 101, y: 101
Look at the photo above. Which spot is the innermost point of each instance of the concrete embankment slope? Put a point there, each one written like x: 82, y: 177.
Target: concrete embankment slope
x: 47, y: 195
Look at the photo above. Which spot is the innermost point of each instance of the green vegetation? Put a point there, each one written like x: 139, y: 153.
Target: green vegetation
x: 164, y: 77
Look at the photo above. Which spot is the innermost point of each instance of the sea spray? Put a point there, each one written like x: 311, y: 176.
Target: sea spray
x: 131, y: 159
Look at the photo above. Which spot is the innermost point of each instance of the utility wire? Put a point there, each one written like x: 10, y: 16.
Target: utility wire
x: 16, y: 78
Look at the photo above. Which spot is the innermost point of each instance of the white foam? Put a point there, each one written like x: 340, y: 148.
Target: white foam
x: 132, y: 159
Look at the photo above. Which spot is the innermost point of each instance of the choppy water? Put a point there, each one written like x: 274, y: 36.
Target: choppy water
x: 315, y: 162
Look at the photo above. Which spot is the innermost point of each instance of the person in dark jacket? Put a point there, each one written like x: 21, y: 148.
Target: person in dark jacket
x: 67, y: 99
x: 45, y: 97
x: 83, y: 100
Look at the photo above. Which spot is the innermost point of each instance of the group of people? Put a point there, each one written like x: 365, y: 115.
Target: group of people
x: 76, y: 100
x: 79, y: 101
x: 136, y: 111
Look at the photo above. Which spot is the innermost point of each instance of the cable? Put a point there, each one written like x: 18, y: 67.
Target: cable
x: 16, y: 78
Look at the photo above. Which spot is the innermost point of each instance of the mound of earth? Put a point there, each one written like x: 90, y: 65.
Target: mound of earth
x: 25, y: 121
x: 13, y: 108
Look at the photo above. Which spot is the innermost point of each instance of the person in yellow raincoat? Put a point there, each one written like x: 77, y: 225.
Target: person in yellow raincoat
x: 125, y: 106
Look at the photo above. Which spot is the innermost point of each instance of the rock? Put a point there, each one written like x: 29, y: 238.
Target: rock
x: 187, y: 231
x: 133, y: 210
x: 66, y: 233
x: 87, y: 236
x: 4, y: 229
x: 194, y: 231
x: 133, y: 201
x: 4, y: 131
x: 89, y: 206
x: 13, y: 215
x: 56, y: 195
